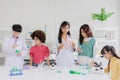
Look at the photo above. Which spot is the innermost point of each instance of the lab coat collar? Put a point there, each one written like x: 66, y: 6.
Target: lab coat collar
x: 11, y: 37
x: 68, y: 37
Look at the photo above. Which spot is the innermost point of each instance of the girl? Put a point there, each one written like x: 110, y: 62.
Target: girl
x: 86, y: 43
x: 39, y: 52
x: 65, y: 46
x: 114, y: 62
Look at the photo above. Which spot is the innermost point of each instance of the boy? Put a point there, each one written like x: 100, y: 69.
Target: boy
x: 15, y: 48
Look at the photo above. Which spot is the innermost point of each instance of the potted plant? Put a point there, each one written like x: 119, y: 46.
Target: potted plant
x: 102, y: 16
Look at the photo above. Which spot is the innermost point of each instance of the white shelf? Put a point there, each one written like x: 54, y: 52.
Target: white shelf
x: 106, y: 36
x: 104, y: 40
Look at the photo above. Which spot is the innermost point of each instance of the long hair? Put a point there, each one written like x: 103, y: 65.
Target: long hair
x: 113, y: 52
x: 87, y: 30
x: 63, y: 24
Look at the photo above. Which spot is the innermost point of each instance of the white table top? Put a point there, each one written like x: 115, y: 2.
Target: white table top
x: 48, y: 74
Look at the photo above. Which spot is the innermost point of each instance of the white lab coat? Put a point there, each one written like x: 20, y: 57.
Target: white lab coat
x: 65, y: 57
x: 12, y: 59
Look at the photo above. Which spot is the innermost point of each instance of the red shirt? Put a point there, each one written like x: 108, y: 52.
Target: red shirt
x: 39, y: 53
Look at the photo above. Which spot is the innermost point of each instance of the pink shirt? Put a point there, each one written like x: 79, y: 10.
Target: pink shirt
x: 39, y: 53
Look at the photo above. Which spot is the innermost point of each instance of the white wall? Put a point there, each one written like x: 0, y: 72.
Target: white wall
x: 31, y: 14
x: 34, y: 14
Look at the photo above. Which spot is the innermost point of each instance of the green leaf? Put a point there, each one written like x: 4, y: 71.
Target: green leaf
x: 102, y: 16
x: 109, y: 14
x: 95, y: 16
x: 103, y: 11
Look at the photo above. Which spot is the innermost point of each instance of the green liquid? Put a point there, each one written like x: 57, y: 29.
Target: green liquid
x: 17, y: 51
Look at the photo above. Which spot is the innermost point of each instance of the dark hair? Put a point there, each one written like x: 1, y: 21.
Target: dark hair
x: 40, y: 35
x: 113, y: 52
x: 87, y: 30
x: 17, y: 28
x: 64, y: 24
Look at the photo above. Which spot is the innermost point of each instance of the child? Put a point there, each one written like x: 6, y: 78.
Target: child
x: 114, y: 62
x: 15, y: 48
x: 86, y: 43
x: 65, y: 46
x: 39, y: 52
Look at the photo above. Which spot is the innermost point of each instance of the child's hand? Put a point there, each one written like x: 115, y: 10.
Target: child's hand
x: 48, y: 63
x: 79, y: 50
x: 15, y: 46
x: 30, y: 65
x: 31, y: 61
x: 61, y: 46
x: 92, y: 63
x: 19, y: 54
x: 73, y: 45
